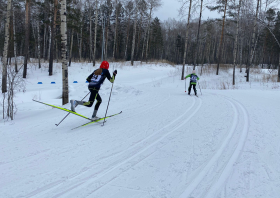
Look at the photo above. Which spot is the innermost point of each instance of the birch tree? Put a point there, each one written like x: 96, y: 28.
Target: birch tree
x: 39, y: 43
x: 134, y: 30
x: 95, y: 30
x: 129, y: 8
x: 186, y: 40
x: 80, y: 35
x: 15, y: 43
x: 235, y: 42
x: 109, y: 9
x: 90, y: 32
x: 6, y: 44
x: 197, y: 37
x: 63, y: 29
x: 116, y: 28
x: 253, y: 42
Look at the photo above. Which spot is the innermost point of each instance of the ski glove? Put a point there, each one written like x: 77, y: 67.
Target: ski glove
x: 115, y: 72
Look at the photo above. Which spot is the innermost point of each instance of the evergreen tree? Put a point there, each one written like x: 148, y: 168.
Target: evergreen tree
x: 156, y: 40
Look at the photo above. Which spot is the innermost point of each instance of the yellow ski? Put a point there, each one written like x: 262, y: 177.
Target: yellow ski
x: 73, y: 112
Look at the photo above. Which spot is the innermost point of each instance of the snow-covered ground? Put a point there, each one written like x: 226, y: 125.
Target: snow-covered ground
x: 165, y: 144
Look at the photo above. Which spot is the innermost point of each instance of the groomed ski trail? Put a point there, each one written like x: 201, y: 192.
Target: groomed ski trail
x: 120, y: 162
x: 209, y: 180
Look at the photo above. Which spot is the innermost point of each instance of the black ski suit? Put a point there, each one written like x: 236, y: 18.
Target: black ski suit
x: 95, y: 82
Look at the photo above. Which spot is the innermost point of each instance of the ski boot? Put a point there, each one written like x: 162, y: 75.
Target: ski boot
x: 94, y: 117
x: 73, y: 105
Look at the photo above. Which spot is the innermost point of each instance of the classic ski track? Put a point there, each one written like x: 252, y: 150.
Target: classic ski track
x: 113, y: 165
x: 131, y: 159
x: 222, y: 175
x: 50, y: 150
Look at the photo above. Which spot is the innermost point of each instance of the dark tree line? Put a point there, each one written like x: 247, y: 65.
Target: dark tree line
x: 114, y: 29
x: 246, y: 35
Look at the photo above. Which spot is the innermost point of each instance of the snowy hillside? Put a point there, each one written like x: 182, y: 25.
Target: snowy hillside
x: 165, y: 144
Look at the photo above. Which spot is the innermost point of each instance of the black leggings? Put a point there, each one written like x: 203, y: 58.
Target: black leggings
x: 93, y: 95
x: 194, y: 88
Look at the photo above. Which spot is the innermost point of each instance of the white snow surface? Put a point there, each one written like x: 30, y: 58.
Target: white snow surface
x: 165, y: 144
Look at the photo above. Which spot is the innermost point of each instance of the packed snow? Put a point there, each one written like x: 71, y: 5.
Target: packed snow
x: 166, y: 144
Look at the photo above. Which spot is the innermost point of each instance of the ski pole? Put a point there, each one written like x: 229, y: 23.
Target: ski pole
x: 108, y: 104
x: 199, y: 88
x: 69, y: 113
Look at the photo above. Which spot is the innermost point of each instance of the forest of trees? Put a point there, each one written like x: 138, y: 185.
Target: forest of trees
x: 129, y: 26
x: 247, y: 34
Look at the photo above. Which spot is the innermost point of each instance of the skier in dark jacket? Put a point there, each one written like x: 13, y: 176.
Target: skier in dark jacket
x: 193, y: 79
x: 95, y: 80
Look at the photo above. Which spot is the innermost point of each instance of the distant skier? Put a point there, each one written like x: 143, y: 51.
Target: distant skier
x: 193, y: 79
x: 95, y: 80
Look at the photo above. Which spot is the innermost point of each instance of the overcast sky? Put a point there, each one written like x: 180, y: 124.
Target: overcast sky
x: 169, y: 9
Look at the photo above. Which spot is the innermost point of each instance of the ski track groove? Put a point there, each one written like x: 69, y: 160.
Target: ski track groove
x: 227, y: 169
x: 55, y: 183
x: 49, y: 150
x: 130, y: 159
x: 58, y: 183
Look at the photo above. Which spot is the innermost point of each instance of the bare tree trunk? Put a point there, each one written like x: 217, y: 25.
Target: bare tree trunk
x: 221, y: 41
x: 253, y: 43
x: 186, y: 41
x: 116, y: 30
x: 45, y: 42
x: 208, y: 51
x: 81, y: 39
x: 6, y: 44
x: 278, y: 79
x: 139, y: 37
x: 127, y: 36
x: 148, y: 33
x: 39, y: 43
x: 240, y: 54
x: 197, y: 38
x: 134, y: 34
x: 27, y: 24
x: 235, y: 43
x: 95, y: 31
x: 65, y: 91
x: 15, y: 43
x: 3, y: 110
x: 53, y: 28
x: 107, y: 36
x: 143, y: 49
x: 45, y: 30
x: 71, y: 47
x: 90, y: 33
x: 33, y: 27
x: 78, y: 43
x: 56, y: 49
x: 50, y: 37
